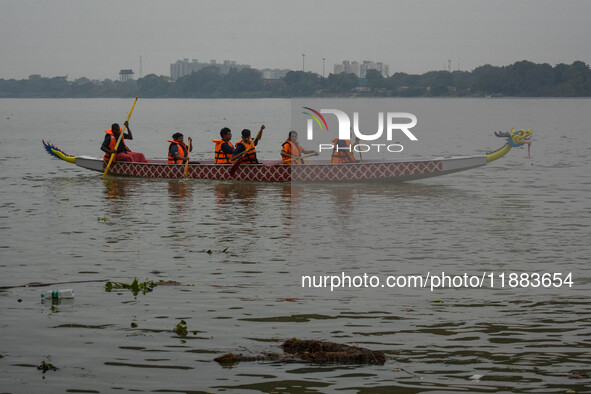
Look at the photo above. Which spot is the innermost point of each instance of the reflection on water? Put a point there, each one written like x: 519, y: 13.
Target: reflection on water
x: 238, y: 195
x: 115, y: 188
x: 180, y: 191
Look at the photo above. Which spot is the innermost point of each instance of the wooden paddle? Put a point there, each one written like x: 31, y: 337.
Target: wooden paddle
x: 241, y: 155
x: 119, y: 139
x: 189, y: 148
x: 301, y: 157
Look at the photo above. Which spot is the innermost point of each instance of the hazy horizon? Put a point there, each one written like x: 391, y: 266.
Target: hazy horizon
x: 84, y: 38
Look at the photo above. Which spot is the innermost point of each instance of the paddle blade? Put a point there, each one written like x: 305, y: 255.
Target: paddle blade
x: 236, y: 165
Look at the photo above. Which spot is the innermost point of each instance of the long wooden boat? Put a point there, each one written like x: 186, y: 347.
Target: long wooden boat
x: 397, y: 170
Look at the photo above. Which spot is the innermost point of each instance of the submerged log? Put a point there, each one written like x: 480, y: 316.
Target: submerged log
x: 314, y: 352
x: 231, y: 358
x: 320, y: 352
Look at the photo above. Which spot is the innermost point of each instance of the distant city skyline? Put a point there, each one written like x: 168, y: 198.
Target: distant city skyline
x: 354, y: 67
x: 82, y: 38
x: 184, y: 67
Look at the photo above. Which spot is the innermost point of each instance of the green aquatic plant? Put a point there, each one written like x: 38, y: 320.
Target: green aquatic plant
x: 104, y: 218
x: 135, y: 287
x: 181, y: 329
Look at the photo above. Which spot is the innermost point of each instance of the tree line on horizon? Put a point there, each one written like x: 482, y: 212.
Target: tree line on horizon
x: 521, y: 79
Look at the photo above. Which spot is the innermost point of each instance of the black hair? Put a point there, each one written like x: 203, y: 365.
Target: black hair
x: 176, y: 135
x: 294, y: 132
x: 245, y: 133
x: 115, y: 126
x: 224, y: 131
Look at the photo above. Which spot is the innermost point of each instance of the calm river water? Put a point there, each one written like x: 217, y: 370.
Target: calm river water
x: 239, y: 251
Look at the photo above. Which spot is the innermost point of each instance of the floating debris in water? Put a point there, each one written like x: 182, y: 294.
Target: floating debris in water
x: 46, y: 367
x: 169, y: 283
x: 181, y: 329
x: 145, y: 287
x: 574, y: 374
x: 312, y: 351
x: 135, y: 287
x: 212, y: 251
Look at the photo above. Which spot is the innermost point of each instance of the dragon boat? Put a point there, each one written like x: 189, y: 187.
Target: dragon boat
x: 397, y: 170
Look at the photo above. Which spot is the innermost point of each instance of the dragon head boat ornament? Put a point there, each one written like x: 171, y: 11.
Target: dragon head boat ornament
x: 514, y: 139
x: 394, y: 170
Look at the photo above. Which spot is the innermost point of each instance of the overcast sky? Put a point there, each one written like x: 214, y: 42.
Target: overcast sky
x: 98, y: 38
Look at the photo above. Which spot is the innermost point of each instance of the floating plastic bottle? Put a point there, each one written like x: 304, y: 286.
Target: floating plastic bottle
x: 52, y: 294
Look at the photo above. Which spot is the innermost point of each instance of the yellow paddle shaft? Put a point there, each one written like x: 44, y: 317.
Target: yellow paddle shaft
x: 119, y: 139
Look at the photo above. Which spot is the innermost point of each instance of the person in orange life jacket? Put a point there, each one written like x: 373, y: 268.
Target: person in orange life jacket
x: 249, y: 157
x: 178, y: 152
x: 123, y: 152
x: 344, y: 153
x: 224, y: 150
x: 291, y: 149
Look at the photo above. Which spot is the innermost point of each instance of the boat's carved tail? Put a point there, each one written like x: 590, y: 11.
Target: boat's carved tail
x: 515, y: 138
x: 56, y: 152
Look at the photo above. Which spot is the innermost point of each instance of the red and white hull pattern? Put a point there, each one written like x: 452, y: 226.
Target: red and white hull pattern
x: 320, y: 171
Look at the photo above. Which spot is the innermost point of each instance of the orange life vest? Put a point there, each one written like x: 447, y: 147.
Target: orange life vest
x: 220, y: 156
x: 251, y: 156
x: 182, y: 152
x: 112, y: 144
x: 342, y: 155
x: 292, y: 149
